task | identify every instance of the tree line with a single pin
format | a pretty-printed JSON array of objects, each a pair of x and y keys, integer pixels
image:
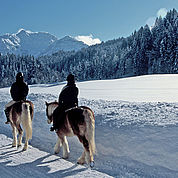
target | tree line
[{"x": 146, "y": 51}]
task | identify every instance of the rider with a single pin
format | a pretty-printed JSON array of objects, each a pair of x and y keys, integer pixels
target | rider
[
  {"x": 19, "y": 91},
  {"x": 68, "y": 98}
]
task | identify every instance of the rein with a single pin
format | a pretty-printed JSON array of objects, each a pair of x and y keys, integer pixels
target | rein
[{"x": 71, "y": 108}]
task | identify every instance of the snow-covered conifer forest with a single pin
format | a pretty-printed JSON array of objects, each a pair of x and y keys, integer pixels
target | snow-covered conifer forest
[{"x": 146, "y": 51}]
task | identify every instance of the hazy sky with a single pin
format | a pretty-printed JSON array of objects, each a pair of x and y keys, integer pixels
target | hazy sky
[{"x": 103, "y": 19}]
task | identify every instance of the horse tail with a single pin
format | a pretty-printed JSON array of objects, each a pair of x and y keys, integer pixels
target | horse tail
[
  {"x": 90, "y": 129},
  {"x": 26, "y": 120}
]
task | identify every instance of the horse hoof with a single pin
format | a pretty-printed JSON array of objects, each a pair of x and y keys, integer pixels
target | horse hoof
[
  {"x": 24, "y": 149},
  {"x": 65, "y": 157},
  {"x": 19, "y": 146},
  {"x": 80, "y": 163},
  {"x": 92, "y": 164},
  {"x": 13, "y": 146}
]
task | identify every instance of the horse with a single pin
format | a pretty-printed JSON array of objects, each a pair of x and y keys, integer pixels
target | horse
[
  {"x": 80, "y": 122},
  {"x": 21, "y": 112}
]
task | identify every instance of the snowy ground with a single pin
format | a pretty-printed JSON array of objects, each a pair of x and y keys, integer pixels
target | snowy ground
[{"x": 136, "y": 131}]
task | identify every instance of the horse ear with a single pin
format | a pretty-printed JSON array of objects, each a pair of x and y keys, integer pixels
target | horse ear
[{"x": 46, "y": 103}]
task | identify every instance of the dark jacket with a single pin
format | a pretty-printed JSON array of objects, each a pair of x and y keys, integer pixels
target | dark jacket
[
  {"x": 67, "y": 99},
  {"x": 19, "y": 91},
  {"x": 69, "y": 96}
]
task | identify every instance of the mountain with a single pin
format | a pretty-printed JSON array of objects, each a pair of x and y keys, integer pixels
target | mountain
[
  {"x": 25, "y": 42},
  {"x": 66, "y": 44},
  {"x": 36, "y": 43}
]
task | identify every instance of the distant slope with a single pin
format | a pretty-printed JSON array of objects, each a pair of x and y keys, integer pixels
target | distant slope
[
  {"x": 148, "y": 88},
  {"x": 66, "y": 44}
]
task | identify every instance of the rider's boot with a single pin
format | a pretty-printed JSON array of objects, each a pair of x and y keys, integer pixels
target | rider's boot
[
  {"x": 7, "y": 115},
  {"x": 52, "y": 128}
]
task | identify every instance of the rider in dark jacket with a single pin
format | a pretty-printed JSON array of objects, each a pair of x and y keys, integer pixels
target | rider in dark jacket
[
  {"x": 19, "y": 91},
  {"x": 68, "y": 98}
]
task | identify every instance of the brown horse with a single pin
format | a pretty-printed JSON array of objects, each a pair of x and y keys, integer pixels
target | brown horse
[
  {"x": 21, "y": 112},
  {"x": 79, "y": 121}
]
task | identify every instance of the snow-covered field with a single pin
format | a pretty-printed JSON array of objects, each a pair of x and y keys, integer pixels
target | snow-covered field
[{"x": 136, "y": 131}]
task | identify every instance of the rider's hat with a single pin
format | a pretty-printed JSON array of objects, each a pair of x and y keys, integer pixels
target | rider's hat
[
  {"x": 19, "y": 76},
  {"x": 70, "y": 78}
]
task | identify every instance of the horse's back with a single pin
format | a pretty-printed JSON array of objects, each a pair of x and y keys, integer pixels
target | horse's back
[
  {"x": 17, "y": 107},
  {"x": 78, "y": 117},
  {"x": 77, "y": 114},
  {"x": 88, "y": 110}
]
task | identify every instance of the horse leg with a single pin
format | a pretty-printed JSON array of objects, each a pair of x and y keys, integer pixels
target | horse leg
[
  {"x": 20, "y": 135},
  {"x": 65, "y": 146},
  {"x": 57, "y": 146},
  {"x": 87, "y": 154},
  {"x": 26, "y": 144},
  {"x": 81, "y": 159},
  {"x": 14, "y": 132}
]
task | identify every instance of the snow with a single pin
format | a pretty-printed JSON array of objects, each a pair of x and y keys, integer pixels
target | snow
[
  {"x": 162, "y": 88},
  {"x": 136, "y": 131},
  {"x": 35, "y": 163}
]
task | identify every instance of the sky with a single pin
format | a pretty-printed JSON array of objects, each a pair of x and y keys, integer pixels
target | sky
[{"x": 92, "y": 20}]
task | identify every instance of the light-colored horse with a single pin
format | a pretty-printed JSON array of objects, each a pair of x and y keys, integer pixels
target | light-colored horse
[
  {"x": 21, "y": 112},
  {"x": 79, "y": 121}
]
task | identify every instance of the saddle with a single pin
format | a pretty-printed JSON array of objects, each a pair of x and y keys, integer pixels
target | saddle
[{"x": 18, "y": 106}]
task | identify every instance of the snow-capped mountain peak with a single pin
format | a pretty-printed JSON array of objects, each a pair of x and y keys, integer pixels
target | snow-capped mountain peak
[
  {"x": 67, "y": 38},
  {"x": 37, "y": 43},
  {"x": 66, "y": 43},
  {"x": 23, "y": 31}
]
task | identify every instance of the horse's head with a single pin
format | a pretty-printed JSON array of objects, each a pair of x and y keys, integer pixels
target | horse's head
[{"x": 50, "y": 107}]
